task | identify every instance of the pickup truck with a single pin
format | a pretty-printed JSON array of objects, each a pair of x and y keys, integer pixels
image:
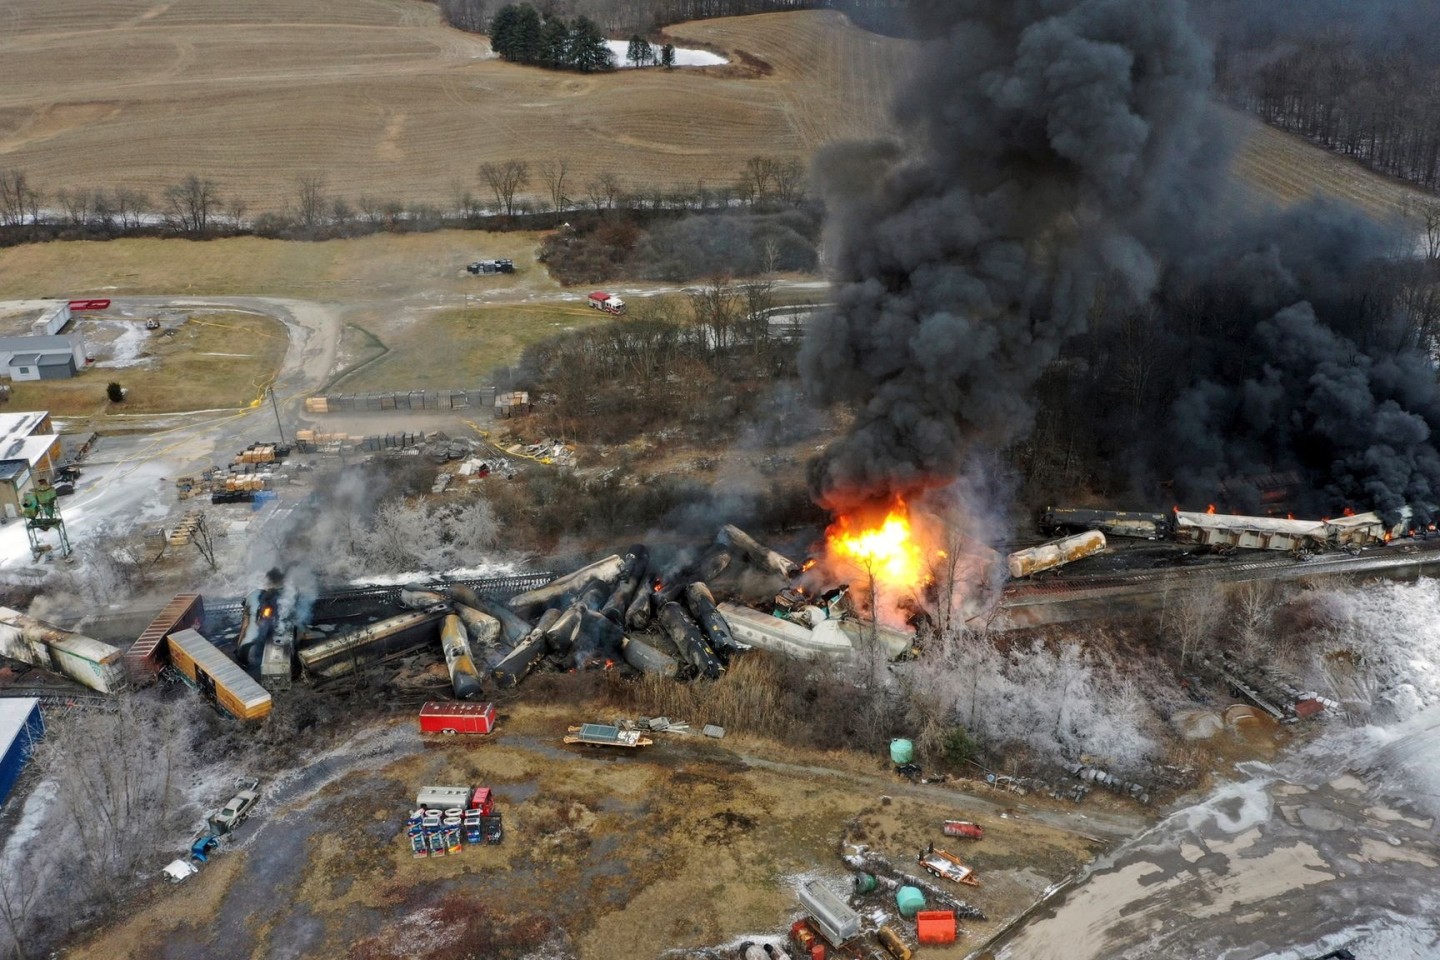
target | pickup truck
[{"x": 230, "y": 816}]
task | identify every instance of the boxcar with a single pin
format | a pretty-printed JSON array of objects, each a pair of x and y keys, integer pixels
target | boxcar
[
  {"x": 217, "y": 676},
  {"x": 83, "y": 659},
  {"x": 146, "y": 656}
]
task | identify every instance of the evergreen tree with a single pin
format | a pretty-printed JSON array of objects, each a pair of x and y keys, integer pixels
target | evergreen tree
[
  {"x": 667, "y": 56},
  {"x": 588, "y": 52},
  {"x": 502, "y": 31},
  {"x": 639, "y": 53},
  {"x": 529, "y": 46},
  {"x": 555, "y": 44}
]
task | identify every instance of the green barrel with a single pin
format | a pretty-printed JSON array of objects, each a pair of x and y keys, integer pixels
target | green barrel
[
  {"x": 865, "y": 883},
  {"x": 910, "y": 901},
  {"x": 901, "y": 751}
]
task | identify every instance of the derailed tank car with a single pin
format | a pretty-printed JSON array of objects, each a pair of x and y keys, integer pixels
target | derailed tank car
[
  {"x": 1112, "y": 523},
  {"x": 349, "y": 652},
  {"x": 1049, "y": 556},
  {"x": 83, "y": 659}
]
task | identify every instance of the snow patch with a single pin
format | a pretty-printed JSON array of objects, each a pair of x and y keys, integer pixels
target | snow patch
[{"x": 683, "y": 57}]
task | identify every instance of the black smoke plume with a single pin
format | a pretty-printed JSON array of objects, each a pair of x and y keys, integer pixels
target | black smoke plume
[
  {"x": 1046, "y": 148},
  {"x": 1059, "y": 206}
]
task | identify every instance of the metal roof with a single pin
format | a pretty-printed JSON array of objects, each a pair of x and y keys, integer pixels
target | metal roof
[
  {"x": 10, "y": 469},
  {"x": 14, "y": 714},
  {"x": 54, "y": 359},
  {"x": 221, "y": 667},
  {"x": 25, "y": 360}
]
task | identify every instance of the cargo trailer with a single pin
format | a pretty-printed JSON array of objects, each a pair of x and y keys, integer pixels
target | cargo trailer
[
  {"x": 217, "y": 676},
  {"x": 441, "y": 717},
  {"x": 831, "y": 915}
]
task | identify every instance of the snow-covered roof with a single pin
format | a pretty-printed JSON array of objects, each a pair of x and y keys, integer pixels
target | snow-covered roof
[{"x": 14, "y": 714}]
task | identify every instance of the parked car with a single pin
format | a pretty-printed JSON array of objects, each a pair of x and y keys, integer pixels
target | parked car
[{"x": 230, "y": 816}]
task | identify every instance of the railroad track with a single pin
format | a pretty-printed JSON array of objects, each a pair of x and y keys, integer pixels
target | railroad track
[
  {"x": 329, "y": 602},
  {"x": 1279, "y": 567}
]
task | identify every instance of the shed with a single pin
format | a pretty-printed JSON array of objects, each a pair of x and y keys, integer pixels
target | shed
[
  {"x": 56, "y": 366},
  {"x": 20, "y": 727}
]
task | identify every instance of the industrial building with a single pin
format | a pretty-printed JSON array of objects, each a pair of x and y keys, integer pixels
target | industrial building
[
  {"x": 20, "y": 728},
  {"x": 29, "y": 449},
  {"x": 35, "y": 348}
]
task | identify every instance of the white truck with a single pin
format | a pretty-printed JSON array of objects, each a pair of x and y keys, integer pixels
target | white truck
[{"x": 610, "y": 303}]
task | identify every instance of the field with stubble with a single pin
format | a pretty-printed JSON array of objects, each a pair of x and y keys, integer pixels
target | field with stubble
[{"x": 384, "y": 100}]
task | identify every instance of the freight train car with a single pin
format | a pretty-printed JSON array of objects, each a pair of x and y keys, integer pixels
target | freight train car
[
  {"x": 349, "y": 652},
  {"x": 146, "y": 656},
  {"x": 217, "y": 676},
  {"x": 97, "y": 665},
  {"x": 1049, "y": 556},
  {"x": 1112, "y": 523}
]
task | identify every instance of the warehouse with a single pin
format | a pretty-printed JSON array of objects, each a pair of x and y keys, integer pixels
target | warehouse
[
  {"x": 29, "y": 449},
  {"x": 20, "y": 728}
]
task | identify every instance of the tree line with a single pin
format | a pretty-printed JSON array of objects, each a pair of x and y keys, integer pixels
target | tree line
[
  {"x": 647, "y": 16},
  {"x": 1382, "y": 111},
  {"x": 519, "y": 34},
  {"x": 199, "y": 207}
]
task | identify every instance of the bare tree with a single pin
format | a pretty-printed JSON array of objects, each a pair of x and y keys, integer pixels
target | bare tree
[
  {"x": 1189, "y": 620},
  {"x": 191, "y": 203},
  {"x": 506, "y": 180},
  {"x": 204, "y": 540},
  {"x": 553, "y": 173},
  {"x": 18, "y": 198},
  {"x": 604, "y": 190},
  {"x": 311, "y": 202},
  {"x": 789, "y": 176},
  {"x": 75, "y": 205},
  {"x": 757, "y": 179},
  {"x": 130, "y": 207}
]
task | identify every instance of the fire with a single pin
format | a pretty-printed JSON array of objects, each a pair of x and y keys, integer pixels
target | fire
[
  {"x": 265, "y": 613},
  {"x": 1348, "y": 512},
  {"x": 887, "y": 549},
  {"x": 807, "y": 564},
  {"x": 1210, "y": 509}
]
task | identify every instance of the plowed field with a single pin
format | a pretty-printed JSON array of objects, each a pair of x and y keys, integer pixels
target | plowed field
[{"x": 385, "y": 100}]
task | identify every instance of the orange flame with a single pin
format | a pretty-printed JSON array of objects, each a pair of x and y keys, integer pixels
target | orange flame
[
  {"x": 1210, "y": 509},
  {"x": 807, "y": 564},
  {"x": 887, "y": 550},
  {"x": 266, "y": 612},
  {"x": 1348, "y": 512}
]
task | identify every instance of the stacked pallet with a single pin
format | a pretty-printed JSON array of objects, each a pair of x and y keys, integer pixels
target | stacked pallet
[
  {"x": 251, "y": 482},
  {"x": 257, "y": 453},
  {"x": 513, "y": 404},
  {"x": 317, "y": 405},
  {"x": 185, "y": 530}
]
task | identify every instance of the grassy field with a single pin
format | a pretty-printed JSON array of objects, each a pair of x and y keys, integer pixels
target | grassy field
[
  {"x": 382, "y": 266},
  {"x": 451, "y": 348},
  {"x": 201, "y": 367},
  {"x": 385, "y": 100}
]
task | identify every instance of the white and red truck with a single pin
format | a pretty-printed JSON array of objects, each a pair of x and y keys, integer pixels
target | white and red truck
[{"x": 610, "y": 303}]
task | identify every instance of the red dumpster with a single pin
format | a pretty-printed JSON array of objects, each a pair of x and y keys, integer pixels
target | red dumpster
[
  {"x": 964, "y": 828},
  {"x": 89, "y": 304},
  {"x": 935, "y": 926},
  {"x": 445, "y": 717}
]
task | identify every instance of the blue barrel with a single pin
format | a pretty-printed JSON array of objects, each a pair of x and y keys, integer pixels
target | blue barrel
[
  {"x": 901, "y": 751},
  {"x": 910, "y": 901}
]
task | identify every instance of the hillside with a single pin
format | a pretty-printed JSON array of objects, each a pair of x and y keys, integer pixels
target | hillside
[{"x": 384, "y": 100}]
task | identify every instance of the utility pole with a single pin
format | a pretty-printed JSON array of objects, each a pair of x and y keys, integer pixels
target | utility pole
[{"x": 278, "y": 425}]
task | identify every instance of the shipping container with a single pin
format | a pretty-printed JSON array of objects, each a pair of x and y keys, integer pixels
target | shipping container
[
  {"x": 441, "y": 717},
  {"x": 146, "y": 656},
  {"x": 85, "y": 660},
  {"x": 21, "y": 726},
  {"x": 832, "y": 916},
  {"x": 217, "y": 676}
]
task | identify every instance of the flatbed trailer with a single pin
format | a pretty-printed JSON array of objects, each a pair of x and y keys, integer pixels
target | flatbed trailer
[
  {"x": 948, "y": 866},
  {"x": 603, "y": 735}
]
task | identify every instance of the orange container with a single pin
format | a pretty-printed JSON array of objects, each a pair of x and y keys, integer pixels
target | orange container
[{"x": 935, "y": 927}]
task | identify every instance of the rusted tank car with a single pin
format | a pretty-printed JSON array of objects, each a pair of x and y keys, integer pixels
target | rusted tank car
[
  {"x": 349, "y": 652},
  {"x": 1057, "y": 553}
]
